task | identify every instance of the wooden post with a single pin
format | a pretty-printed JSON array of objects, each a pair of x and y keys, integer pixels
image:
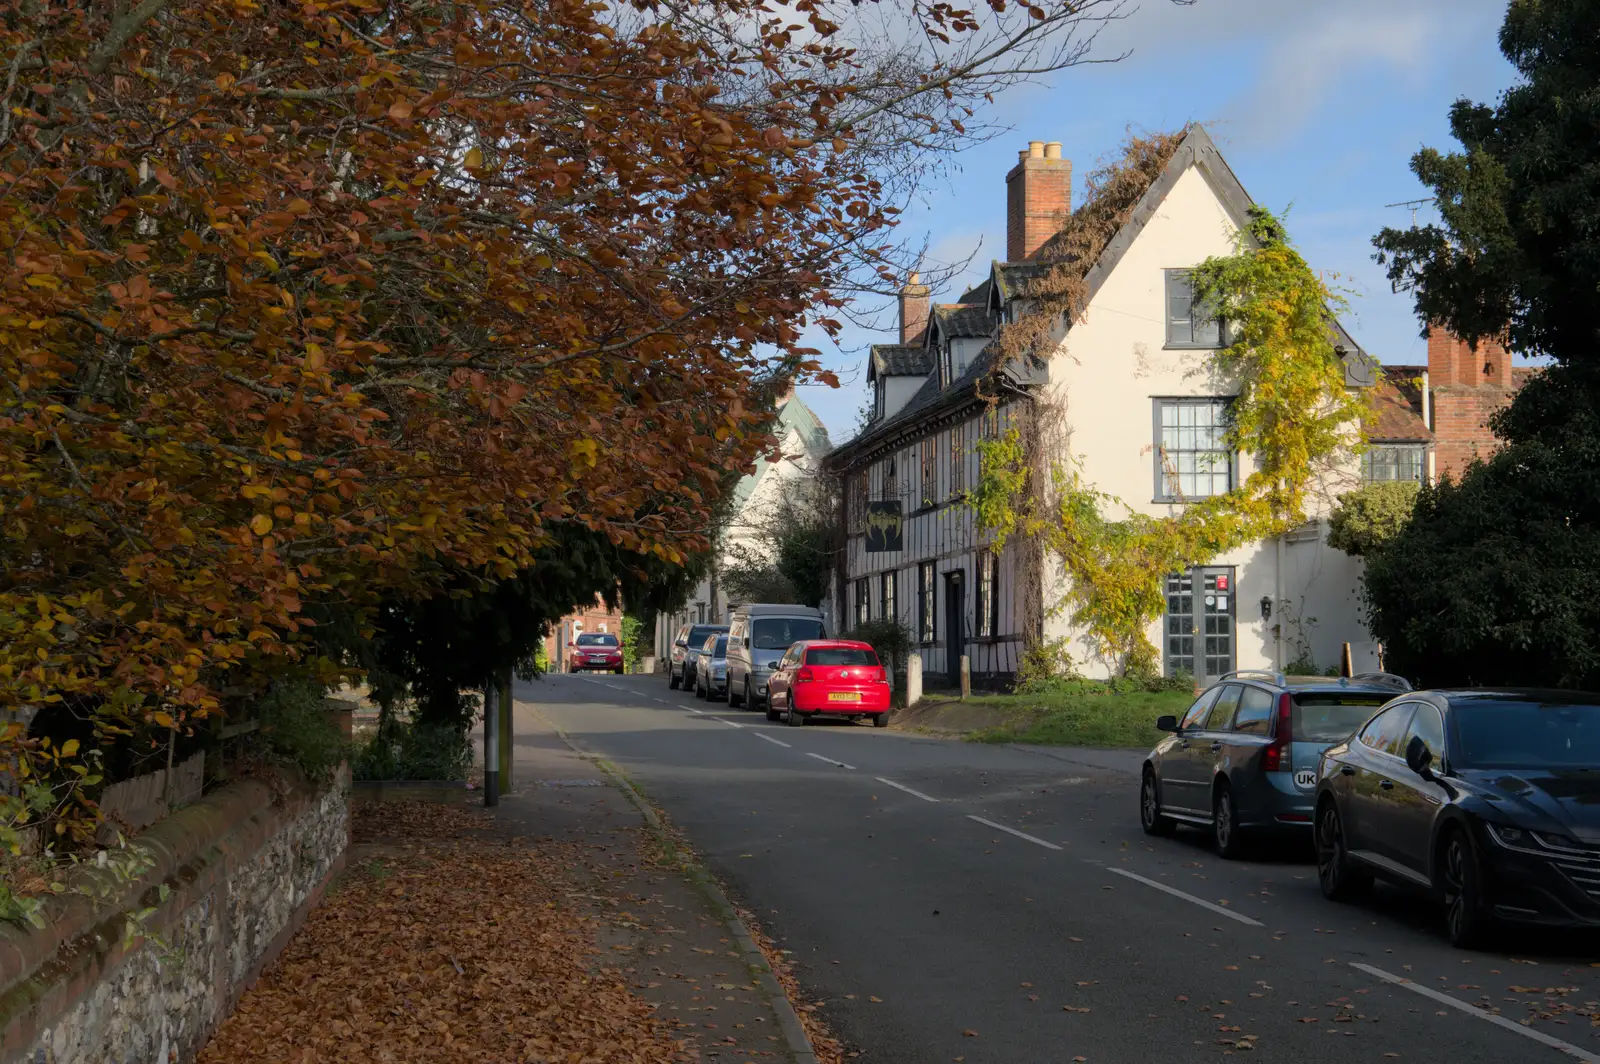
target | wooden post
[
  {"x": 966, "y": 676},
  {"x": 507, "y": 730},
  {"x": 913, "y": 679},
  {"x": 491, "y": 746},
  {"x": 1346, "y": 665}
]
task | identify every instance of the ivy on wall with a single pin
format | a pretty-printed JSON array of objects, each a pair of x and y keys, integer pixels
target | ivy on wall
[{"x": 1293, "y": 414}]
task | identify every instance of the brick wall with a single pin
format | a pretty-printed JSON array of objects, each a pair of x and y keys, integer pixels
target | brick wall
[
  {"x": 1038, "y": 198},
  {"x": 555, "y": 644},
  {"x": 1467, "y": 385},
  {"x": 243, "y": 866}
]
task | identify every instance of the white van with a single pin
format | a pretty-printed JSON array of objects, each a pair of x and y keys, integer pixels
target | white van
[{"x": 757, "y": 637}]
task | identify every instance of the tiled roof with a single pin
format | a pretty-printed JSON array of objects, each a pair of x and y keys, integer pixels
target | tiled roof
[
  {"x": 1397, "y": 406},
  {"x": 899, "y": 360},
  {"x": 963, "y": 319},
  {"x": 1012, "y": 277},
  {"x": 977, "y": 293}
]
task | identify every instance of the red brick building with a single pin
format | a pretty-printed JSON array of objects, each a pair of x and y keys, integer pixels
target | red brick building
[
  {"x": 1432, "y": 421},
  {"x": 596, "y": 618}
]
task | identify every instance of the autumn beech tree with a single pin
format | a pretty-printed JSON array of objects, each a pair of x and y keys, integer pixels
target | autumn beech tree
[{"x": 306, "y": 301}]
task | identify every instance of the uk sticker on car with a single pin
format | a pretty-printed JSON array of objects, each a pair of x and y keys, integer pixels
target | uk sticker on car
[{"x": 1305, "y": 778}]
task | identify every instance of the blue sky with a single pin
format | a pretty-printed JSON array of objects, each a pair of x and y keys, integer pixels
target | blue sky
[{"x": 1317, "y": 107}]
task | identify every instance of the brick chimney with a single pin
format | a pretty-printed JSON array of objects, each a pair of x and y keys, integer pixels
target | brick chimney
[
  {"x": 1467, "y": 385},
  {"x": 914, "y": 310},
  {"x": 1038, "y": 198}
]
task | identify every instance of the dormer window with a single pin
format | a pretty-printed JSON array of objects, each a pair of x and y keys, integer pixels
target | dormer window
[
  {"x": 946, "y": 364},
  {"x": 878, "y": 400}
]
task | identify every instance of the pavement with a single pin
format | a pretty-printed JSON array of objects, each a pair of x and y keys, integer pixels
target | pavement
[
  {"x": 667, "y": 934},
  {"x": 948, "y": 901}
]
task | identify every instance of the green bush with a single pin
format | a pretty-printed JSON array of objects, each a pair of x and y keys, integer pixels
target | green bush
[
  {"x": 891, "y": 639},
  {"x": 1045, "y": 665},
  {"x": 405, "y": 751},
  {"x": 298, "y": 728},
  {"x": 1371, "y": 516}
]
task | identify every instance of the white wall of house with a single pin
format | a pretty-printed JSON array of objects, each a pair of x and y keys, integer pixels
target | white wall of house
[
  {"x": 1104, "y": 382},
  {"x": 897, "y": 392}
]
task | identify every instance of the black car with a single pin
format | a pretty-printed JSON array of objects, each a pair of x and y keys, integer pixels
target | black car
[{"x": 1488, "y": 800}]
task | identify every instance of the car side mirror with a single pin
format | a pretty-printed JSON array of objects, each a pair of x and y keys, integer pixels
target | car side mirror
[
  {"x": 1167, "y": 723},
  {"x": 1419, "y": 758}
]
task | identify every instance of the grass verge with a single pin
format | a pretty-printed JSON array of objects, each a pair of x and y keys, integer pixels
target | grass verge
[{"x": 1080, "y": 713}]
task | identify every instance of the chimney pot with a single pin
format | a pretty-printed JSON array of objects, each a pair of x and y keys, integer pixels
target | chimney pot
[
  {"x": 1022, "y": 153},
  {"x": 1038, "y": 198}
]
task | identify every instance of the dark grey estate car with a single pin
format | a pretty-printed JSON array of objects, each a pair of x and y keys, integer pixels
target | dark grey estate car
[{"x": 1244, "y": 756}]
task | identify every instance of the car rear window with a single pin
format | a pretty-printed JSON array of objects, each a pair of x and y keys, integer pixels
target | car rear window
[
  {"x": 597, "y": 639},
  {"x": 721, "y": 649},
  {"x": 1527, "y": 735},
  {"x": 1331, "y": 716},
  {"x": 701, "y": 632},
  {"x": 840, "y": 656}
]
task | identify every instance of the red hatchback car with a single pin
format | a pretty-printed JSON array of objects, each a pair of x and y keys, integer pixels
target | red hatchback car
[
  {"x": 829, "y": 678},
  {"x": 595, "y": 651}
]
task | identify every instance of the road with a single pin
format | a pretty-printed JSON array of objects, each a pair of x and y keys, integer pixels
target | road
[{"x": 959, "y": 902}]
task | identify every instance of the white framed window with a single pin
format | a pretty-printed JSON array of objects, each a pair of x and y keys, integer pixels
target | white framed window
[
  {"x": 886, "y": 595},
  {"x": 863, "y": 602},
  {"x": 1394, "y": 461},
  {"x": 926, "y": 603},
  {"x": 988, "y": 603},
  {"x": 1192, "y": 457}
]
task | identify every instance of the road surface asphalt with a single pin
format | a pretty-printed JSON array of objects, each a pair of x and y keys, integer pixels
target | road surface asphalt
[{"x": 953, "y": 901}]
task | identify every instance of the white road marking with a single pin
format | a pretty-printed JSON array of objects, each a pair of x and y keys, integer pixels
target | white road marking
[
  {"x": 770, "y": 739},
  {"x": 691, "y": 709},
  {"x": 1218, "y": 909},
  {"x": 663, "y": 701},
  {"x": 908, "y": 790},
  {"x": 831, "y": 761},
  {"x": 729, "y": 723},
  {"x": 1499, "y": 1021},
  {"x": 1013, "y": 831}
]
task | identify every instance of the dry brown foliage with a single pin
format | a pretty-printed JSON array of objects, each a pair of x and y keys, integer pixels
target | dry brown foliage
[
  {"x": 454, "y": 948},
  {"x": 1110, "y": 195}
]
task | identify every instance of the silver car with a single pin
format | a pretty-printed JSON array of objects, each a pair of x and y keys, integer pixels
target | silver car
[
  {"x": 711, "y": 671},
  {"x": 1244, "y": 756},
  {"x": 685, "y": 650}
]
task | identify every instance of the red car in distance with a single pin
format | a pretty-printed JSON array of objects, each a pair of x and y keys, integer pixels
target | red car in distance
[
  {"x": 829, "y": 678},
  {"x": 595, "y": 650}
]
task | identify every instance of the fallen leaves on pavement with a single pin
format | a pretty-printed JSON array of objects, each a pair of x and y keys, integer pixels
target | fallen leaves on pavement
[{"x": 450, "y": 946}]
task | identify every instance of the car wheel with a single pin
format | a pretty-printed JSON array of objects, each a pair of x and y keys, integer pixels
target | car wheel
[
  {"x": 1150, "y": 817},
  {"x": 772, "y": 714},
  {"x": 672, "y": 679},
  {"x": 734, "y": 703},
  {"x": 1467, "y": 917},
  {"x": 1225, "y": 823},
  {"x": 1338, "y": 876},
  {"x": 880, "y": 720},
  {"x": 792, "y": 717},
  {"x": 702, "y": 691}
]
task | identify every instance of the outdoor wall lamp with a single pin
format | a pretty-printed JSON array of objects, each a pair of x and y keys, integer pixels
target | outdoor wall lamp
[{"x": 1266, "y": 608}]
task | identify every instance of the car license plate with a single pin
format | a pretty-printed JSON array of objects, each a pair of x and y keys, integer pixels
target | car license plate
[{"x": 844, "y": 696}]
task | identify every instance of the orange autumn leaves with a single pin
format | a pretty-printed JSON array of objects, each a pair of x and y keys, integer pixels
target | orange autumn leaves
[{"x": 306, "y": 301}]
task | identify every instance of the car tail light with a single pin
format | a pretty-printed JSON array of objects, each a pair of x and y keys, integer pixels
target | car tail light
[
  {"x": 1276, "y": 757},
  {"x": 882, "y": 674},
  {"x": 805, "y": 676}
]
